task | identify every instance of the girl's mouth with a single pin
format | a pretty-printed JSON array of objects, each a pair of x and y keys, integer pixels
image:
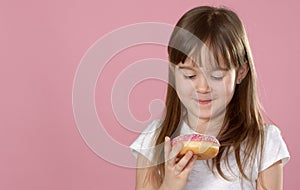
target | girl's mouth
[{"x": 204, "y": 102}]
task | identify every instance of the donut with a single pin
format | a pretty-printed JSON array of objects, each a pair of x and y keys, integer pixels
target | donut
[{"x": 204, "y": 146}]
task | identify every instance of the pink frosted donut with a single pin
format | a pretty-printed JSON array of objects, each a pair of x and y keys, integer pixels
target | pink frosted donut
[{"x": 204, "y": 146}]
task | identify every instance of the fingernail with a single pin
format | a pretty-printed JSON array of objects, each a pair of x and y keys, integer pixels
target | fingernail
[
  {"x": 190, "y": 153},
  {"x": 167, "y": 138}
]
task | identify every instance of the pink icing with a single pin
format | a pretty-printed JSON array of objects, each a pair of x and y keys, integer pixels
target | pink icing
[{"x": 195, "y": 137}]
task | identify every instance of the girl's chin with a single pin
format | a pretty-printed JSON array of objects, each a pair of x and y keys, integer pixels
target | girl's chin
[
  {"x": 205, "y": 113},
  {"x": 204, "y": 116}
]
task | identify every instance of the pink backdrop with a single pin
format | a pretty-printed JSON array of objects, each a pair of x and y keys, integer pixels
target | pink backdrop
[{"x": 42, "y": 43}]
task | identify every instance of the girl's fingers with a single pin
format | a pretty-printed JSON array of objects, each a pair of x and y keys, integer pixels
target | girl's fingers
[
  {"x": 167, "y": 148},
  {"x": 174, "y": 152},
  {"x": 190, "y": 165},
  {"x": 183, "y": 162}
]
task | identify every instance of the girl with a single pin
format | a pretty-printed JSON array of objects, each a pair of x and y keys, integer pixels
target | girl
[{"x": 211, "y": 90}]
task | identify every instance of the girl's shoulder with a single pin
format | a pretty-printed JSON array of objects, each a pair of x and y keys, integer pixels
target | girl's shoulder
[
  {"x": 271, "y": 128},
  {"x": 145, "y": 142},
  {"x": 272, "y": 133},
  {"x": 274, "y": 148},
  {"x": 152, "y": 129}
]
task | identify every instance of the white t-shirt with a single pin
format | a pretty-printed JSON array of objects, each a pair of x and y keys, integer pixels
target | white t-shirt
[{"x": 201, "y": 176}]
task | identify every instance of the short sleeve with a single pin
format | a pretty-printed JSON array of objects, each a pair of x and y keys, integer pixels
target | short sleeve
[
  {"x": 145, "y": 143},
  {"x": 275, "y": 148}
]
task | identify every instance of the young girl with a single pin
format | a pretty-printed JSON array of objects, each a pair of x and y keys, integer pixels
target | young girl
[{"x": 211, "y": 90}]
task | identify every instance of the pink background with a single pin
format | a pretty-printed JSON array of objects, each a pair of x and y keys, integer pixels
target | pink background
[{"x": 42, "y": 43}]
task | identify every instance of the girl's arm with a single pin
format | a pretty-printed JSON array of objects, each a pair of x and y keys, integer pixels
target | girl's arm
[{"x": 271, "y": 178}]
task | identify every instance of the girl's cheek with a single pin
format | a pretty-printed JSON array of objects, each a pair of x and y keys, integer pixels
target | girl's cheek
[
  {"x": 217, "y": 86},
  {"x": 184, "y": 84}
]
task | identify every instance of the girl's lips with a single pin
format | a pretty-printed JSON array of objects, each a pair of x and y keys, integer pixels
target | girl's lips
[{"x": 204, "y": 102}]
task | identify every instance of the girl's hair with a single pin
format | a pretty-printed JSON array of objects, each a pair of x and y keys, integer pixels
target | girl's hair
[{"x": 222, "y": 31}]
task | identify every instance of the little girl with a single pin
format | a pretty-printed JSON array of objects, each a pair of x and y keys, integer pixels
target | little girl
[{"x": 211, "y": 90}]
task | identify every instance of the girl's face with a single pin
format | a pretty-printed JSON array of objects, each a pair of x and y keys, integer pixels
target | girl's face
[{"x": 204, "y": 92}]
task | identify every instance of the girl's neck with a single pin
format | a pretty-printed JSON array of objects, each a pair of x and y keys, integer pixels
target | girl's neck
[{"x": 204, "y": 126}]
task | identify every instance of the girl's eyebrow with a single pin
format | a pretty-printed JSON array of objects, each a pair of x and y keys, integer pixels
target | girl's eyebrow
[
  {"x": 193, "y": 69},
  {"x": 221, "y": 69},
  {"x": 186, "y": 67}
]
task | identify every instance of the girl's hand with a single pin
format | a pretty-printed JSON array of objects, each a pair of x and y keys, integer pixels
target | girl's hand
[{"x": 176, "y": 171}]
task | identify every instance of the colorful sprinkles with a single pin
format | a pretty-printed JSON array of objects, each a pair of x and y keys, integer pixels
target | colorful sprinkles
[{"x": 195, "y": 137}]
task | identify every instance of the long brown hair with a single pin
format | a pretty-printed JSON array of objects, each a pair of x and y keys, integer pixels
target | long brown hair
[{"x": 223, "y": 32}]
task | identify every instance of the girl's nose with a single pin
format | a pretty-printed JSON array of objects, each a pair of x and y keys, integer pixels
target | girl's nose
[{"x": 202, "y": 85}]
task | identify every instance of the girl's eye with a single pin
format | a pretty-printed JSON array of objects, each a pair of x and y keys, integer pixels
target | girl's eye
[
  {"x": 189, "y": 76},
  {"x": 217, "y": 75}
]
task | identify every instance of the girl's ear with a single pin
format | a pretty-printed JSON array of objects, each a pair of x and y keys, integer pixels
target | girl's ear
[{"x": 241, "y": 73}]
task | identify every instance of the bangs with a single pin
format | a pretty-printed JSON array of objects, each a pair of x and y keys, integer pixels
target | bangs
[
  {"x": 217, "y": 52},
  {"x": 216, "y": 44},
  {"x": 209, "y": 55}
]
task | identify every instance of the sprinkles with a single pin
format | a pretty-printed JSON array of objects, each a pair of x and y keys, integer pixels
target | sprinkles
[{"x": 195, "y": 137}]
